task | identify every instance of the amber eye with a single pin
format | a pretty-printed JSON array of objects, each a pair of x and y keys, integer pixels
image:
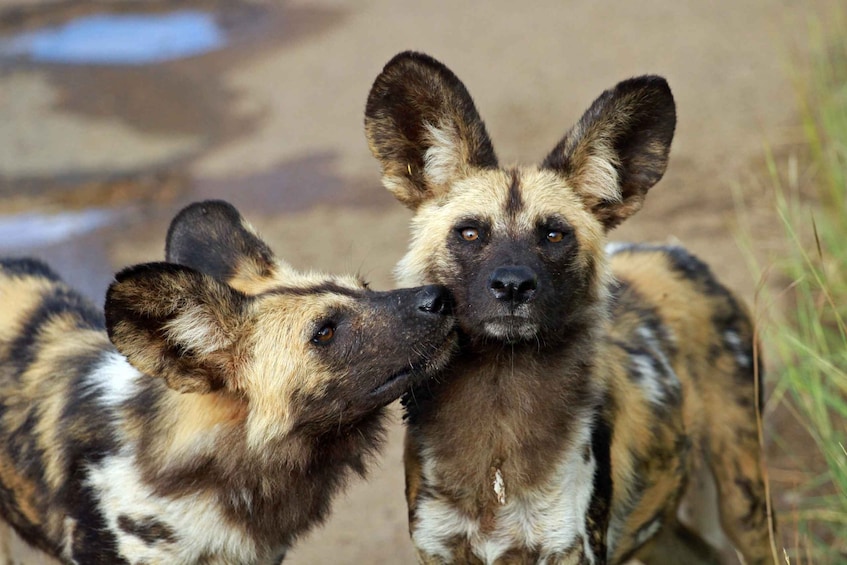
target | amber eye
[
  {"x": 555, "y": 236},
  {"x": 470, "y": 234},
  {"x": 324, "y": 335}
]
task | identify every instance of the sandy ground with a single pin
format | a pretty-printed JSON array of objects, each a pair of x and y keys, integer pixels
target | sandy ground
[{"x": 94, "y": 161}]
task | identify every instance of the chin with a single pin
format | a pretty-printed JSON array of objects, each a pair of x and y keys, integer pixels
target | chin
[{"x": 510, "y": 330}]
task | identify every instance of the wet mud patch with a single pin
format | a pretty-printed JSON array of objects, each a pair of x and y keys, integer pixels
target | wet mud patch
[
  {"x": 150, "y": 100},
  {"x": 154, "y": 189},
  {"x": 92, "y": 153},
  {"x": 89, "y": 120}
]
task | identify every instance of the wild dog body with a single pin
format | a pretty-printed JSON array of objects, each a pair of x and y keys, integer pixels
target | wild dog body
[
  {"x": 213, "y": 413},
  {"x": 592, "y": 384}
]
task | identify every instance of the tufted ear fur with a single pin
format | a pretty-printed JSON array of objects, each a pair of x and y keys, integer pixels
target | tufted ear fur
[
  {"x": 423, "y": 127},
  {"x": 619, "y": 148},
  {"x": 176, "y": 323}
]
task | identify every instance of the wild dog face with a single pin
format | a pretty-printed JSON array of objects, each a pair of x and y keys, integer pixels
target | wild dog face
[
  {"x": 521, "y": 248},
  {"x": 305, "y": 352}
]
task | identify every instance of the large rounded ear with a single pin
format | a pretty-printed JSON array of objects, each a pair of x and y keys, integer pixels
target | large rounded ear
[
  {"x": 176, "y": 323},
  {"x": 212, "y": 237},
  {"x": 422, "y": 125},
  {"x": 619, "y": 148}
]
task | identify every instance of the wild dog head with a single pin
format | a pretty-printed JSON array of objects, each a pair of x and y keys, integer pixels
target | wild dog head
[
  {"x": 522, "y": 248},
  {"x": 298, "y": 352}
]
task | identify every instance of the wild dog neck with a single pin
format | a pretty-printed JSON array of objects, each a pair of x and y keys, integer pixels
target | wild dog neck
[
  {"x": 187, "y": 427},
  {"x": 199, "y": 442},
  {"x": 512, "y": 409}
]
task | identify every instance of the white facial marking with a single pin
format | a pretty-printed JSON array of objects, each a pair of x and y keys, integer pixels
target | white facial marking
[{"x": 504, "y": 330}]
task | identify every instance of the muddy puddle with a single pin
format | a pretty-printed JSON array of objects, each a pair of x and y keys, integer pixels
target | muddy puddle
[
  {"x": 102, "y": 39},
  {"x": 105, "y": 106},
  {"x": 94, "y": 90}
]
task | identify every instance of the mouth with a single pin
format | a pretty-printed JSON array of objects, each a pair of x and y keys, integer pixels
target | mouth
[
  {"x": 510, "y": 328},
  {"x": 416, "y": 372}
]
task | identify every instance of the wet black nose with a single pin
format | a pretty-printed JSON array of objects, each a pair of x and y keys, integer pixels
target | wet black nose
[
  {"x": 514, "y": 284},
  {"x": 435, "y": 299}
]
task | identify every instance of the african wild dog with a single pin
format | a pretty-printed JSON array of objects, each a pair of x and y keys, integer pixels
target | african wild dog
[
  {"x": 592, "y": 383},
  {"x": 226, "y": 405}
]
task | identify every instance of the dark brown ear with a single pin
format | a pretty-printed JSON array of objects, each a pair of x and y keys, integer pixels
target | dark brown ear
[
  {"x": 173, "y": 322},
  {"x": 619, "y": 148},
  {"x": 422, "y": 125},
  {"x": 213, "y": 238}
]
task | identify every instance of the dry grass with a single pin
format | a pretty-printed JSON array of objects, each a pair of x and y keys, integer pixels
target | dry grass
[{"x": 806, "y": 334}]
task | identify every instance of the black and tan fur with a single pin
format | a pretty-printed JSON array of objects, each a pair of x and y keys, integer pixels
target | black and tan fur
[
  {"x": 216, "y": 409},
  {"x": 593, "y": 384}
]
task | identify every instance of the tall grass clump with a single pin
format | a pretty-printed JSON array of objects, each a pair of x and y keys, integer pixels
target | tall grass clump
[{"x": 808, "y": 342}]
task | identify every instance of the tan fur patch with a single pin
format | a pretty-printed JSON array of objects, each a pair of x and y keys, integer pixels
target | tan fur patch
[{"x": 25, "y": 293}]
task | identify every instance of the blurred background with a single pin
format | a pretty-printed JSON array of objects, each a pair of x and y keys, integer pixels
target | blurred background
[{"x": 115, "y": 114}]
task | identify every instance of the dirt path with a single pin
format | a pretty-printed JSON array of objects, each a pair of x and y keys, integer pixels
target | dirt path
[{"x": 274, "y": 124}]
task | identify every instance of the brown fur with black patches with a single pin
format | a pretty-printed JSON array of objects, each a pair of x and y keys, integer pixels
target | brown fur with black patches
[
  {"x": 216, "y": 410},
  {"x": 638, "y": 358}
]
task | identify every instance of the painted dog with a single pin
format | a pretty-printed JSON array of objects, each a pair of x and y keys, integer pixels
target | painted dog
[
  {"x": 214, "y": 411},
  {"x": 593, "y": 383}
]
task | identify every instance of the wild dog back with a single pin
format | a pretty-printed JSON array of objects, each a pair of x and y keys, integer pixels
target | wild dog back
[
  {"x": 196, "y": 422},
  {"x": 680, "y": 353}
]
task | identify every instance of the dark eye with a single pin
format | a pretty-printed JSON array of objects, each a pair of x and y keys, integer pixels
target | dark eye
[
  {"x": 555, "y": 236},
  {"x": 324, "y": 335},
  {"x": 470, "y": 234}
]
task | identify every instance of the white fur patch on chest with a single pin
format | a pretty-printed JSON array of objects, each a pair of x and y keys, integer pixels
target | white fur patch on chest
[
  {"x": 196, "y": 524},
  {"x": 550, "y": 518},
  {"x": 499, "y": 487}
]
